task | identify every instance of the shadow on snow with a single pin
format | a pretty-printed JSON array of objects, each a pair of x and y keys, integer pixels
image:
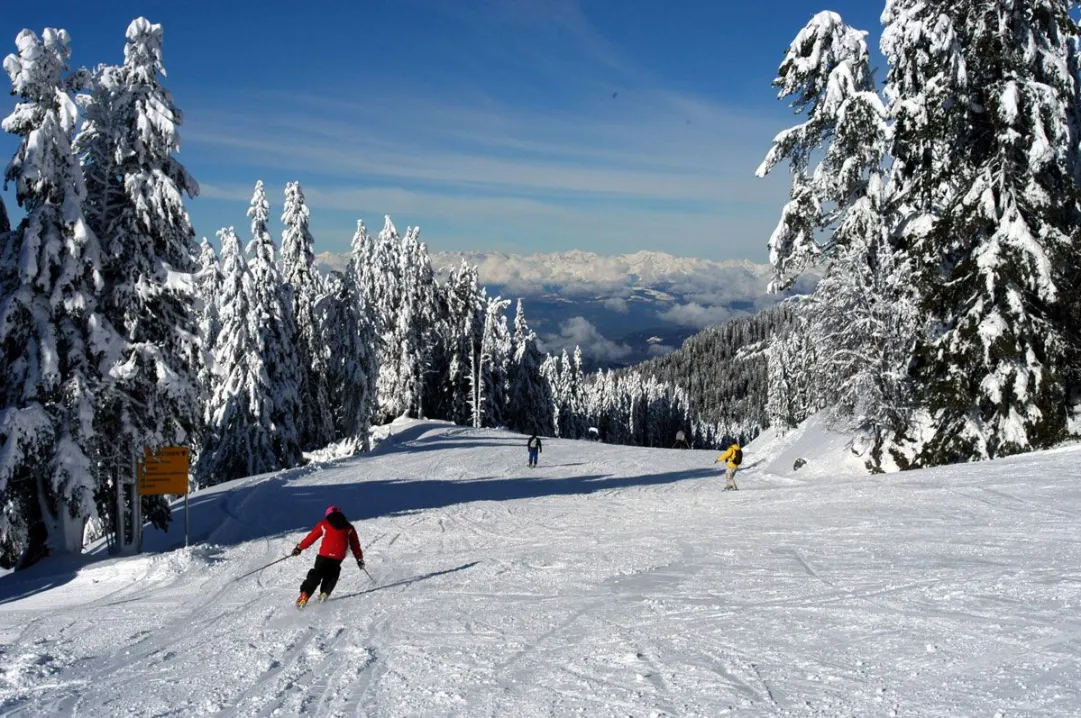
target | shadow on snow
[
  {"x": 407, "y": 581},
  {"x": 282, "y": 508}
]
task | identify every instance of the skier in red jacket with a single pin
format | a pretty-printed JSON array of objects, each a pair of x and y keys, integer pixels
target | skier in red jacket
[{"x": 338, "y": 535}]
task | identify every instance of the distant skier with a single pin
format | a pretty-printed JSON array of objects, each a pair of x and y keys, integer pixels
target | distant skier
[
  {"x": 681, "y": 441},
  {"x": 734, "y": 457},
  {"x": 338, "y": 536},
  {"x": 534, "y": 446}
]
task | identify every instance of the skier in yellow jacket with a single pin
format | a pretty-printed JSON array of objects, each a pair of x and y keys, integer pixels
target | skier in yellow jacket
[{"x": 733, "y": 457}]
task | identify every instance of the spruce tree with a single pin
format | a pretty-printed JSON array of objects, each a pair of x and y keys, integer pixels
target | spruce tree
[
  {"x": 985, "y": 148},
  {"x": 335, "y": 316},
  {"x": 135, "y": 204},
  {"x": 529, "y": 404},
  {"x": 357, "y": 359},
  {"x": 239, "y": 406},
  {"x": 275, "y": 335},
  {"x": 463, "y": 302},
  {"x": 52, "y": 334},
  {"x": 209, "y": 282},
  {"x": 827, "y": 76},
  {"x": 495, "y": 345},
  {"x": 405, "y": 303},
  {"x": 303, "y": 281},
  {"x": 839, "y": 213}
]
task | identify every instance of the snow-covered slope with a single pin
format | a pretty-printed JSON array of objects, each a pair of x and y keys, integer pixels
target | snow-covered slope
[{"x": 611, "y": 581}]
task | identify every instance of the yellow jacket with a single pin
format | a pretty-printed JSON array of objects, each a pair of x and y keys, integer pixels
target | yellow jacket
[{"x": 729, "y": 456}]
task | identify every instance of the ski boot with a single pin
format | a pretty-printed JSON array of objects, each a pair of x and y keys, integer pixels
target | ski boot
[
  {"x": 303, "y": 600},
  {"x": 323, "y": 596}
]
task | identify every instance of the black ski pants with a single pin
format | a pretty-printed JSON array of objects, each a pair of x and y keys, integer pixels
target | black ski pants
[{"x": 324, "y": 575}]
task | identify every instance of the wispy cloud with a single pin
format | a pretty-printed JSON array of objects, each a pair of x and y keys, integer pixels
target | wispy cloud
[{"x": 649, "y": 168}]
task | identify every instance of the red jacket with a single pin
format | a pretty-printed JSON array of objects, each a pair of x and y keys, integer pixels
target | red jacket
[{"x": 338, "y": 534}]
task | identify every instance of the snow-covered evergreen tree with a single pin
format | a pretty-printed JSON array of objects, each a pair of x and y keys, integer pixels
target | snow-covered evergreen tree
[
  {"x": 863, "y": 320},
  {"x": 550, "y": 373},
  {"x": 463, "y": 303},
  {"x": 209, "y": 282},
  {"x": 986, "y": 177},
  {"x": 52, "y": 335},
  {"x": 380, "y": 281},
  {"x": 792, "y": 388},
  {"x": 135, "y": 203},
  {"x": 827, "y": 74},
  {"x": 354, "y": 343},
  {"x": 529, "y": 406},
  {"x": 840, "y": 213},
  {"x": 302, "y": 278},
  {"x": 495, "y": 345},
  {"x": 335, "y": 311},
  {"x": 237, "y": 413},
  {"x": 478, "y": 398},
  {"x": 275, "y": 335},
  {"x": 572, "y": 423},
  {"x": 405, "y": 301}
]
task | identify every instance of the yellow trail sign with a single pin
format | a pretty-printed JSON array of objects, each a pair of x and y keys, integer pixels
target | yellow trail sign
[{"x": 164, "y": 471}]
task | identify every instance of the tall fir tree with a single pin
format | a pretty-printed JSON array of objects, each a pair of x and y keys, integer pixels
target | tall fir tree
[
  {"x": 381, "y": 281},
  {"x": 208, "y": 284},
  {"x": 238, "y": 411},
  {"x": 839, "y": 214},
  {"x": 985, "y": 151},
  {"x": 275, "y": 335},
  {"x": 550, "y": 375},
  {"x": 864, "y": 322},
  {"x": 496, "y": 346},
  {"x": 529, "y": 404},
  {"x": 828, "y": 77},
  {"x": 359, "y": 354},
  {"x": 406, "y": 303},
  {"x": 136, "y": 204},
  {"x": 52, "y": 334},
  {"x": 463, "y": 305},
  {"x": 303, "y": 281}
]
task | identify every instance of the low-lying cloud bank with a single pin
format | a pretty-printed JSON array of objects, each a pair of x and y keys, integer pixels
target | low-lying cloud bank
[{"x": 620, "y": 309}]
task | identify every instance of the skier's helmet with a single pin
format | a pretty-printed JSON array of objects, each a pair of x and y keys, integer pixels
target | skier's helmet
[{"x": 332, "y": 510}]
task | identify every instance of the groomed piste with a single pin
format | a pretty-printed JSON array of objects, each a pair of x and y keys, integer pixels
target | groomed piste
[{"x": 609, "y": 581}]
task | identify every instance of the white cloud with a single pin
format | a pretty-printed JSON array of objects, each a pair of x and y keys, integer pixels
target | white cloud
[
  {"x": 696, "y": 315},
  {"x": 578, "y": 331},
  {"x": 616, "y": 304}
]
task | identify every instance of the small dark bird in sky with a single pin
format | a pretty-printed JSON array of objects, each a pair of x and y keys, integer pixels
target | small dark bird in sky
[{"x": 615, "y": 95}]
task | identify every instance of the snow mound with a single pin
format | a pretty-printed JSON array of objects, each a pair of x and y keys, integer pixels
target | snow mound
[{"x": 823, "y": 452}]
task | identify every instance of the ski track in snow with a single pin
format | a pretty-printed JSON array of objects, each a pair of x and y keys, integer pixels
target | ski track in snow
[{"x": 610, "y": 581}]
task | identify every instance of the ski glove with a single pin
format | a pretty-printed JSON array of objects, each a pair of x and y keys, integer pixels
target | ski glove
[
  {"x": 360, "y": 563},
  {"x": 296, "y": 550}
]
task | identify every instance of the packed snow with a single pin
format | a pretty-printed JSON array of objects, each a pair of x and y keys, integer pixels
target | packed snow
[{"x": 610, "y": 581}]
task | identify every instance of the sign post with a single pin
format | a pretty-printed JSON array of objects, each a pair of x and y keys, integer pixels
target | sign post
[{"x": 166, "y": 472}]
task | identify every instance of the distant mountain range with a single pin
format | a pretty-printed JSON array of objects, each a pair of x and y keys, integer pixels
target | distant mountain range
[{"x": 620, "y": 309}]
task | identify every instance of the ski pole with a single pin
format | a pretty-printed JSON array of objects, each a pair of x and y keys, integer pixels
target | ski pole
[
  {"x": 249, "y": 573},
  {"x": 369, "y": 575}
]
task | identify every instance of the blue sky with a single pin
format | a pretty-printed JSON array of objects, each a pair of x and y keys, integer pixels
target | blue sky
[{"x": 516, "y": 125}]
